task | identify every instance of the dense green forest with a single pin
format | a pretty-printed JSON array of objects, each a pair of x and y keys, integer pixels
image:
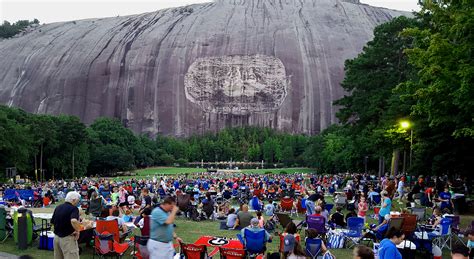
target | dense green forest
[
  {"x": 419, "y": 70},
  {"x": 8, "y": 29}
]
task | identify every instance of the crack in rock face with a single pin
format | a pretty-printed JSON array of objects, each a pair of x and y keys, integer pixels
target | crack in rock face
[{"x": 238, "y": 84}]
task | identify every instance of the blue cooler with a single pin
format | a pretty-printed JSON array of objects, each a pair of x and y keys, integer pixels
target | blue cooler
[{"x": 46, "y": 241}]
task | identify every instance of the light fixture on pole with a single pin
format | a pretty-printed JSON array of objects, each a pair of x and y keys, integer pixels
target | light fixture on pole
[{"x": 407, "y": 125}]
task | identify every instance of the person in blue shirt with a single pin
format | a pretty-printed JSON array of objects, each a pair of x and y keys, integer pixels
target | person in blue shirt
[
  {"x": 388, "y": 246},
  {"x": 160, "y": 244},
  {"x": 445, "y": 198},
  {"x": 386, "y": 206}
]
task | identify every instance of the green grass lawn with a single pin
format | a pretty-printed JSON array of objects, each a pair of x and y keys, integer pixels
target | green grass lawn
[{"x": 190, "y": 231}]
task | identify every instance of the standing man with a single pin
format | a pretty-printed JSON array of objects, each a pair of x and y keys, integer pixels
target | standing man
[
  {"x": 67, "y": 227},
  {"x": 160, "y": 244}
]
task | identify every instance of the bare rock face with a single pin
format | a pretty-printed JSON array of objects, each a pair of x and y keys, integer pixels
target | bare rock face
[{"x": 180, "y": 71}]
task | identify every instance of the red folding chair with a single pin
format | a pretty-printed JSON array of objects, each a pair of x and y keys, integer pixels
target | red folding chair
[
  {"x": 232, "y": 253},
  {"x": 112, "y": 227},
  {"x": 105, "y": 245},
  {"x": 191, "y": 251},
  {"x": 287, "y": 204}
]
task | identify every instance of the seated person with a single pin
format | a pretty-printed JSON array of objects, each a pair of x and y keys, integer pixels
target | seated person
[
  {"x": 121, "y": 223},
  {"x": 145, "y": 212},
  {"x": 243, "y": 218},
  {"x": 312, "y": 233},
  {"x": 255, "y": 228},
  {"x": 131, "y": 201},
  {"x": 436, "y": 218},
  {"x": 351, "y": 214},
  {"x": 231, "y": 218},
  {"x": 269, "y": 208},
  {"x": 255, "y": 204},
  {"x": 470, "y": 242},
  {"x": 317, "y": 211},
  {"x": 381, "y": 229},
  {"x": 207, "y": 205},
  {"x": 128, "y": 217},
  {"x": 338, "y": 218}
]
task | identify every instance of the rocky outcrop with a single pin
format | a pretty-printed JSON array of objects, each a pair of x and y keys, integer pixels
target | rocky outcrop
[{"x": 203, "y": 67}]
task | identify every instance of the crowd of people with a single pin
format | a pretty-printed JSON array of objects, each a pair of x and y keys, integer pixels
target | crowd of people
[{"x": 244, "y": 202}]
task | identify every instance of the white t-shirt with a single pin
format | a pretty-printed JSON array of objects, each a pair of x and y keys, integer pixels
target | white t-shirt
[
  {"x": 400, "y": 186},
  {"x": 131, "y": 200}
]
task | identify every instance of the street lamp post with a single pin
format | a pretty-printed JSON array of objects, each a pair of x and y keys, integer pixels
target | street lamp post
[{"x": 407, "y": 125}]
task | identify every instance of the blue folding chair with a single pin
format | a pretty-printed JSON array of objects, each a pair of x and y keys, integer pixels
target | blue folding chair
[
  {"x": 313, "y": 247},
  {"x": 355, "y": 226},
  {"x": 254, "y": 242},
  {"x": 329, "y": 207},
  {"x": 442, "y": 235}
]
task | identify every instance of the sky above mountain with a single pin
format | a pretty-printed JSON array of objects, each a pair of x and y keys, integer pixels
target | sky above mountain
[{"x": 48, "y": 11}]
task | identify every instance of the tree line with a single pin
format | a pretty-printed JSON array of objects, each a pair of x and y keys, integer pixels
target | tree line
[{"x": 8, "y": 30}]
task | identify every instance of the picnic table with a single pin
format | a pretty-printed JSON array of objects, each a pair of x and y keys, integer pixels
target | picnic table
[{"x": 216, "y": 242}]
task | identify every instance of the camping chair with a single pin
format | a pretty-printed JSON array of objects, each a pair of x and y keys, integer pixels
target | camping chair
[
  {"x": 140, "y": 250},
  {"x": 317, "y": 223},
  {"x": 191, "y": 251},
  {"x": 409, "y": 224},
  {"x": 183, "y": 201},
  {"x": 232, "y": 253},
  {"x": 284, "y": 219},
  {"x": 328, "y": 207},
  {"x": 354, "y": 233},
  {"x": 112, "y": 227},
  {"x": 227, "y": 196},
  {"x": 313, "y": 247},
  {"x": 341, "y": 200},
  {"x": 395, "y": 223},
  {"x": 95, "y": 207},
  {"x": 301, "y": 206},
  {"x": 375, "y": 200},
  {"x": 441, "y": 237},
  {"x": 419, "y": 212},
  {"x": 254, "y": 242},
  {"x": 455, "y": 230},
  {"x": 287, "y": 205},
  {"x": 104, "y": 245}
]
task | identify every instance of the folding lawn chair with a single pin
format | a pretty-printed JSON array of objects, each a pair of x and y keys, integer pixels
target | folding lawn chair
[
  {"x": 313, "y": 247},
  {"x": 232, "y": 253},
  {"x": 355, "y": 226},
  {"x": 254, "y": 242},
  {"x": 317, "y": 223},
  {"x": 191, "y": 251}
]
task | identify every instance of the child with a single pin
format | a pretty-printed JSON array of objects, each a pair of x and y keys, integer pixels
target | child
[
  {"x": 470, "y": 243},
  {"x": 128, "y": 217},
  {"x": 362, "y": 208},
  {"x": 145, "y": 212},
  {"x": 338, "y": 218},
  {"x": 261, "y": 220}
]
